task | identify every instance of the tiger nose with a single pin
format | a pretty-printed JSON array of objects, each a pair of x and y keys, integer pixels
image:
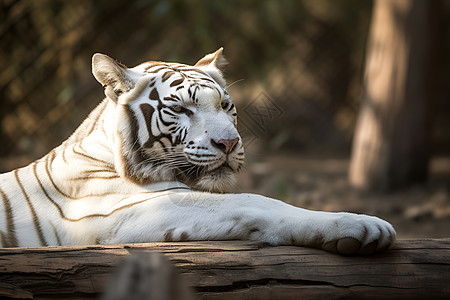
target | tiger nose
[{"x": 225, "y": 145}]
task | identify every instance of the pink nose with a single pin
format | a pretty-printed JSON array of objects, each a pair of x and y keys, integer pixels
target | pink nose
[{"x": 226, "y": 146}]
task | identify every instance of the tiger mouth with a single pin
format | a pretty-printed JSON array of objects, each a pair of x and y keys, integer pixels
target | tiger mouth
[
  {"x": 206, "y": 169},
  {"x": 194, "y": 172},
  {"x": 209, "y": 165},
  {"x": 216, "y": 178}
]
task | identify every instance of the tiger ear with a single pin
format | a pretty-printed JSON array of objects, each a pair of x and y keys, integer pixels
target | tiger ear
[
  {"x": 213, "y": 64},
  {"x": 111, "y": 75}
]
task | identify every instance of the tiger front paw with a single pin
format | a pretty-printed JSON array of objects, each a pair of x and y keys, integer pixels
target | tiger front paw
[{"x": 352, "y": 234}]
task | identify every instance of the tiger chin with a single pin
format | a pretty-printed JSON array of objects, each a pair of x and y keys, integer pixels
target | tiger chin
[
  {"x": 155, "y": 161},
  {"x": 220, "y": 180}
]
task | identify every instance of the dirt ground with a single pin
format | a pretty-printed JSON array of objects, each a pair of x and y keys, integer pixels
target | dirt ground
[{"x": 321, "y": 184}]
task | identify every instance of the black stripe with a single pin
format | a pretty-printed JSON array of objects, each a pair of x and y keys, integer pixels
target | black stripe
[
  {"x": 202, "y": 161},
  {"x": 167, "y": 75},
  {"x": 173, "y": 97},
  {"x": 163, "y": 146},
  {"x": 96, "y": 177},
  {"x": 50, "y": 158},
  {"x": 183, "y": 135},
  {"x": 189, "y": 69},
  {"x": 36, "y": 223},
  {"x": 45, "y": 192},
  {"x": 64, "y": 194},
  {"x": 176, "y": 82},
  {"x": 162, "y": 67},
  {"x": 202, "y": 155},
  {"x": 10, "y": 240},
  {"x": 55, "y": 232},
  {"x": 64, "y": 155},
  {"x": 165, "y": 123},
  {"x": 207, "y": 79},
  {"x": 154, "y": 95},
  {"x": 91, "y": 158},
  {"x": 170, "y": 113},
  {"x": 147, "y": 111},
  {"x": 61, "y": 213},
  {"x": 134, "y": 128}
]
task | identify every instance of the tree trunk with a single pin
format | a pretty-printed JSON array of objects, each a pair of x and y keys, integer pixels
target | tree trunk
[
  {"x": 412, "y": 269},
  {"x": 390, "y": 148}
]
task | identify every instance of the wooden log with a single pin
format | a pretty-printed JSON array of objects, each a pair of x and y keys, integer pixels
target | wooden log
[{"x": 411, "y": 269}]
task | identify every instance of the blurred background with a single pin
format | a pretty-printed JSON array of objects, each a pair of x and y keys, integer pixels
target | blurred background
[{"x": 343, "y": 105}]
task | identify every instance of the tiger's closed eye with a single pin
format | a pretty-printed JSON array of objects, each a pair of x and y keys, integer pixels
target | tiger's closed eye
[
  {"x": 177, "y": 108},
  {"x": 180, "y": 110},
  {"x": 224, "y": 105}
]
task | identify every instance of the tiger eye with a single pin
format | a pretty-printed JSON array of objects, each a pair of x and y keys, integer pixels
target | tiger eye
[
  {"x": 177, "y": 108},
  {"x": 224, "y": 104}
]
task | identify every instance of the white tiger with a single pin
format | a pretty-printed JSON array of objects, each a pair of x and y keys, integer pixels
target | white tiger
[{"x": 152, "y": 163}]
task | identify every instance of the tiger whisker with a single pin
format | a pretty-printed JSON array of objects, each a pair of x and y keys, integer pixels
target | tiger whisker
[{"x": 233, "y": 83}]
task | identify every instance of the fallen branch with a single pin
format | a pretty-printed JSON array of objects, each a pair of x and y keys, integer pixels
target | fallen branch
[{"x": 412, "y": 269}]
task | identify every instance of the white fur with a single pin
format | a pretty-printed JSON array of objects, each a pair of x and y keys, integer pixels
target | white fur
[{"x": 108, "y": 206}]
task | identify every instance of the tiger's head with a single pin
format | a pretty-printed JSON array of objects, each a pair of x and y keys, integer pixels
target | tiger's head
[{"x": 172, "y": 122}]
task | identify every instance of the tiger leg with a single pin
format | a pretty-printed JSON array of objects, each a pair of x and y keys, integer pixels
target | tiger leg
[{"x": 191, "y": 216}]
